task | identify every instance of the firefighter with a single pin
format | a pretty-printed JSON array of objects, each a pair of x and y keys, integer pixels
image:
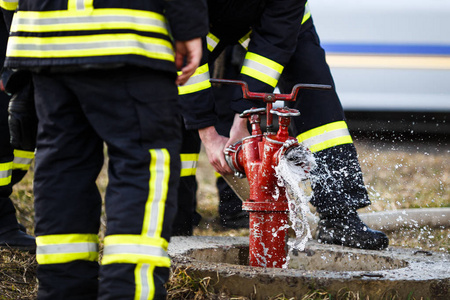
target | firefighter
[
  {"x": 282, "y": 49},
  {"x": 14, "y": 164},
  {"x": 104, "y": 72}
]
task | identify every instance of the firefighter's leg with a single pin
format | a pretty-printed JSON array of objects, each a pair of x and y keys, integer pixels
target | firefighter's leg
[
  {"x": 69, "y": 158},
  {"x": 135, "y": 112},
  {"x": 10, "y": 164},
  {"x": 337, "y": 181},
  {"x": 187, "y": 216}
]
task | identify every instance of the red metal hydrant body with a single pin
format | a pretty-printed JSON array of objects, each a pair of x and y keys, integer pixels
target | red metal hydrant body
[{"x": 256, "y": 157}]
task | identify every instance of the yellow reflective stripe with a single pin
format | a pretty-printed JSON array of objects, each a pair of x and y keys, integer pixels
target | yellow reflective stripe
[
  {"x": 80, "y": 4},
  {"x": 158, "y": 188},
  {"x": 65, "y": 248},
  {"x": 197, "y": 82},
  {"x": 92, "y": 45},
  {"x": 22, "y": 159},
  {"x": 245, "y": 40},
  {"x": 145, "y": 285},
  {"x": 189, "y": 164},
  {"x": 326, "y": 136},
  {"x": 211, "y": 41},
  {"x": 98, "y": 19},
  {"x": 262, "y": 68},
  {"x": 306, "y": 14},
  {"x": 9, "y": 4},
  {"x": 5, "y": 173},
  {"x": 135, "y": 249}
]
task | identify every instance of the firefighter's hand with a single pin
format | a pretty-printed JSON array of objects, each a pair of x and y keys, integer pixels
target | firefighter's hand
[
  {"x": 22, "y": 118},
  {"x": 238, "y": 131},
  {"x": 187, "y": 58},
  {"x": 214, "y": 146}
]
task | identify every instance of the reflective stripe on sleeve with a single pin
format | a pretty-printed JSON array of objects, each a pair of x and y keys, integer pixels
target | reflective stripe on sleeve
[
  {"x": 326, "y": 136},
  {"x": 211, "y": 41},
  {"x": 306, "y": 14},
  {"x": 5, "y": 173},
  {"x": 245, "y": 40},
  {"x": 189, "y": 164},
  {"x": 197, "y": 82},
  {"x": 261, "y": 68},
  {"x": 65, "y": 248},
  {"x": 9, "y": 4},
  {"x": 22, "y": 159}
]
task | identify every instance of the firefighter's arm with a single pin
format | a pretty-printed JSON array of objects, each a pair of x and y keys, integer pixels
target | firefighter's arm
[{"x": 273, "y": 41}]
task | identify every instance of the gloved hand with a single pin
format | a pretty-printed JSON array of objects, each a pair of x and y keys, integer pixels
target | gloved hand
[{"x": 22, "y": 114}]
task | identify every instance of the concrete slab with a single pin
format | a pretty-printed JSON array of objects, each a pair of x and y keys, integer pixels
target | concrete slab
[{"x": 336, "y": 269}]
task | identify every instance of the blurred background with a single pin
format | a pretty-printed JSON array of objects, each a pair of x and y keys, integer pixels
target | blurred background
[{"x": 390, "y": 61}]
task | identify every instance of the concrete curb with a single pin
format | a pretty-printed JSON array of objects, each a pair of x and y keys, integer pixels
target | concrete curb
[{"x": 403, "y": 273}]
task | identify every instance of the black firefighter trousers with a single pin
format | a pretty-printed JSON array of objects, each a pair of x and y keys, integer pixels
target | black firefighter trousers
[{"x": 134, "y": 112}]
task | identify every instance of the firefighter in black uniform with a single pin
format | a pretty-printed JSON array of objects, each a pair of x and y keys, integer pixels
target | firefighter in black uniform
[
  {"x": 283, "y": 49},
  {"x": 104, "y": 71},
  {"x": 14, "y": 164}
]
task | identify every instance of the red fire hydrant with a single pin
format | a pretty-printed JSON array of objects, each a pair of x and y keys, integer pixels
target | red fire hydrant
[{"x": 256, "y": 157}]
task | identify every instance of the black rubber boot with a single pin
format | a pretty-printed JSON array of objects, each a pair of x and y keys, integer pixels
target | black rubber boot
[
  {"x": 19, "y": 240},
  {"x": 348, "y": 230}
]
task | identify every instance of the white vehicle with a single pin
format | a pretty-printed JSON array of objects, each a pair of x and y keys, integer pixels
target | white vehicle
[{"x": 388, "y": 55}]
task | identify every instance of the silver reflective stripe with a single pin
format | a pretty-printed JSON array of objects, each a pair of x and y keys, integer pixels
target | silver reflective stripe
[
  {"x": 145, "y": 289},
  {"x": 134, "y": 250},
  {"x": 126, "y": 44},
  {"x": 80, "y": 4},
  {"x": 211, "y": 43},
  {"x": 189, "y": 164},
  {"x": 5, "y": 173},
  {"x": 67, "y": 248},
  {"x": 198, "y": 78},
  {"x": 91, "y": 20},
  {"x": 22, "y": 160},
  {"x": 158, "y": 196},
  {"x": 307, "y": 10},
  {"x": 245, "y": 43},
  {"x": 262, "y": 68},
  {"x": 325, "y": 137}
]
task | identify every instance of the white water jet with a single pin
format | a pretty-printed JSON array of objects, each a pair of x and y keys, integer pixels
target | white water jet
[{"x": 293, "y": 172}]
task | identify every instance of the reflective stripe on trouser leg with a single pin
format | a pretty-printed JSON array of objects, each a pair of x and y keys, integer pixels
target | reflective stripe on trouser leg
[
  {"x": 65, "y": 248},
  {"x": 337, "y": 181},
  {"x": 148, "y": 250}
]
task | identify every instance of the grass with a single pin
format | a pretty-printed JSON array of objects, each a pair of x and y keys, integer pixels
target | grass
[{"x": 397, "y": 177}]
